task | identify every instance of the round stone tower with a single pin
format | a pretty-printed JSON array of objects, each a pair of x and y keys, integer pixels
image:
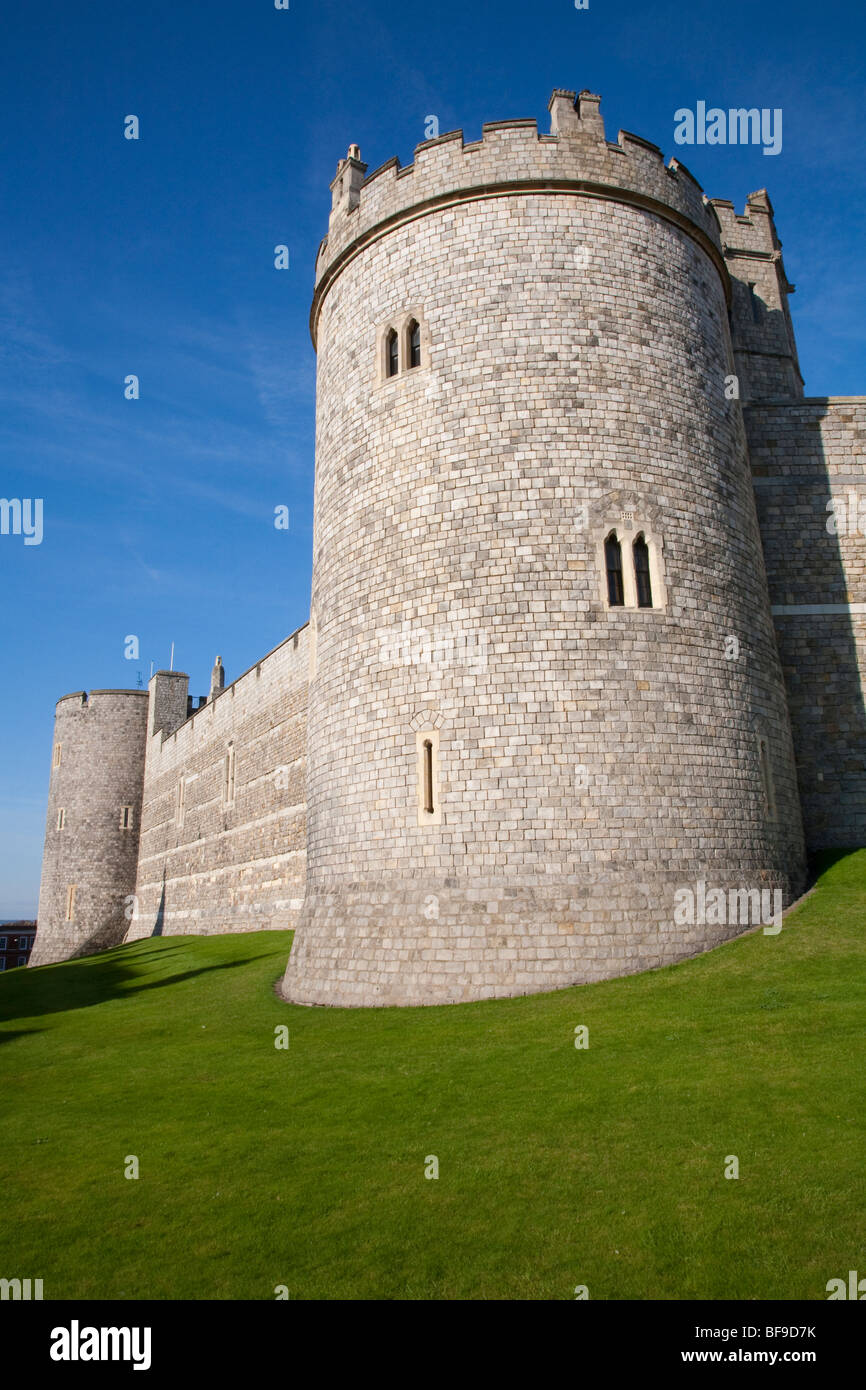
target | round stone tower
[
  {"x": 547, "y": 723},
  {"x": 92, "y": 826}
]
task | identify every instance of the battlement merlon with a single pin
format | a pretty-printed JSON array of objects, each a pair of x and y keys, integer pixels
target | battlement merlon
[{"x": 512, "y": 158}]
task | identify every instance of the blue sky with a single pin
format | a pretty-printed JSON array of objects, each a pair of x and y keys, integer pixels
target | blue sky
[{"x": 155, "y": 257}]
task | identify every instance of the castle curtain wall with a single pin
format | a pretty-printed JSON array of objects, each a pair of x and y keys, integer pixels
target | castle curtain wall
[
  {"x": 227, "y": 853},
  {"x": 806, "y": 455}
]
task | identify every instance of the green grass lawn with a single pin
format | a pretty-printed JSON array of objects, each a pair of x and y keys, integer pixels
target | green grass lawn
[{"x": 557, "y": 1166}]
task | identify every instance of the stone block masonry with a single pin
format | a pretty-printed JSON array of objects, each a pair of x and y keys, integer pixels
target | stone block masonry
[
  {"x": 579, "y": 639},
  {"x": 809, "y": 464},
  {"x": 223, "y": 815},
  {"x": 90, "y": 860},
  {"x": 573, "y": 304}
]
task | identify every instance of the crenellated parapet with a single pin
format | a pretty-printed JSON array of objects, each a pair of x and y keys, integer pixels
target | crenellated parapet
[
  {"x": 749, "y": 233},
  {"x": 512, "y": 157}
]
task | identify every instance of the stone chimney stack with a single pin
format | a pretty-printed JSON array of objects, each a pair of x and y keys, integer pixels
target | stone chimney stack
[
  {"x": 563, "y": 114},
  {"x": 570, "y": 117},
  {"x": 346, "y": 185},
  {"x": 591, "y": 119},
  {"x": 217, "y": 678}
]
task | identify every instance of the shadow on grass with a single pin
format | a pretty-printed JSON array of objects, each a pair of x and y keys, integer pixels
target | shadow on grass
[
  {"x": 79, "y": 984},
  {"x": 821, "y": 860}
]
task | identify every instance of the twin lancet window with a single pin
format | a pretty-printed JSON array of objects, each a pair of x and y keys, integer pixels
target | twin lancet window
[
  {"x": 401, "y": 348},
  {"x": 620, "y": 592}
]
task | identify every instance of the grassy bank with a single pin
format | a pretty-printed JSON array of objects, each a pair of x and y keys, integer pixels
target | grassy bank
[{"x": 305, "y": 1167}]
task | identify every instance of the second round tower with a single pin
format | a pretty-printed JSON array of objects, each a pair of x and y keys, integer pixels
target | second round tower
[{"x": 92, "y": 826}]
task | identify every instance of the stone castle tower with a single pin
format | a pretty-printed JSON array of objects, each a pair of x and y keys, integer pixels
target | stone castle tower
[
  {"x": 573, "y": 304},
  {"x": 563, "y": 657},
  {"x": 90, "y": 862}
]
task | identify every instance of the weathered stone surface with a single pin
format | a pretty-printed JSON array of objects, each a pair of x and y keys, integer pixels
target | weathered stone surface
[
  {"x": 806, "y": 456},
  {"x": 577, "y": 348},
  {"x": 235, "y": 862},
  {"x": 479, "y": 777},
  {"x": 97, "y": 769}
]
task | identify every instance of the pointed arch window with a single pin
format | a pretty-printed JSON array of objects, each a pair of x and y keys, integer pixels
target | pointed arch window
[
  {"x": 640, "y": 551},
  {"x": 414, "y": 336},
  {"x": 392, "y": 353},
  {"x": 401, "y": 344},
  {"x": 613, "y": 562}
]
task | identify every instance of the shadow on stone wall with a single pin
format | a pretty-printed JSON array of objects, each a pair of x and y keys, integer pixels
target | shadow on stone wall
[
  {"x": 806, "y": 566},
  {"x": 160, "y": 911}
]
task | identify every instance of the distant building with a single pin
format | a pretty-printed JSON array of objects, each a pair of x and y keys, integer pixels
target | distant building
[{"x": 16, "y": 943}]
